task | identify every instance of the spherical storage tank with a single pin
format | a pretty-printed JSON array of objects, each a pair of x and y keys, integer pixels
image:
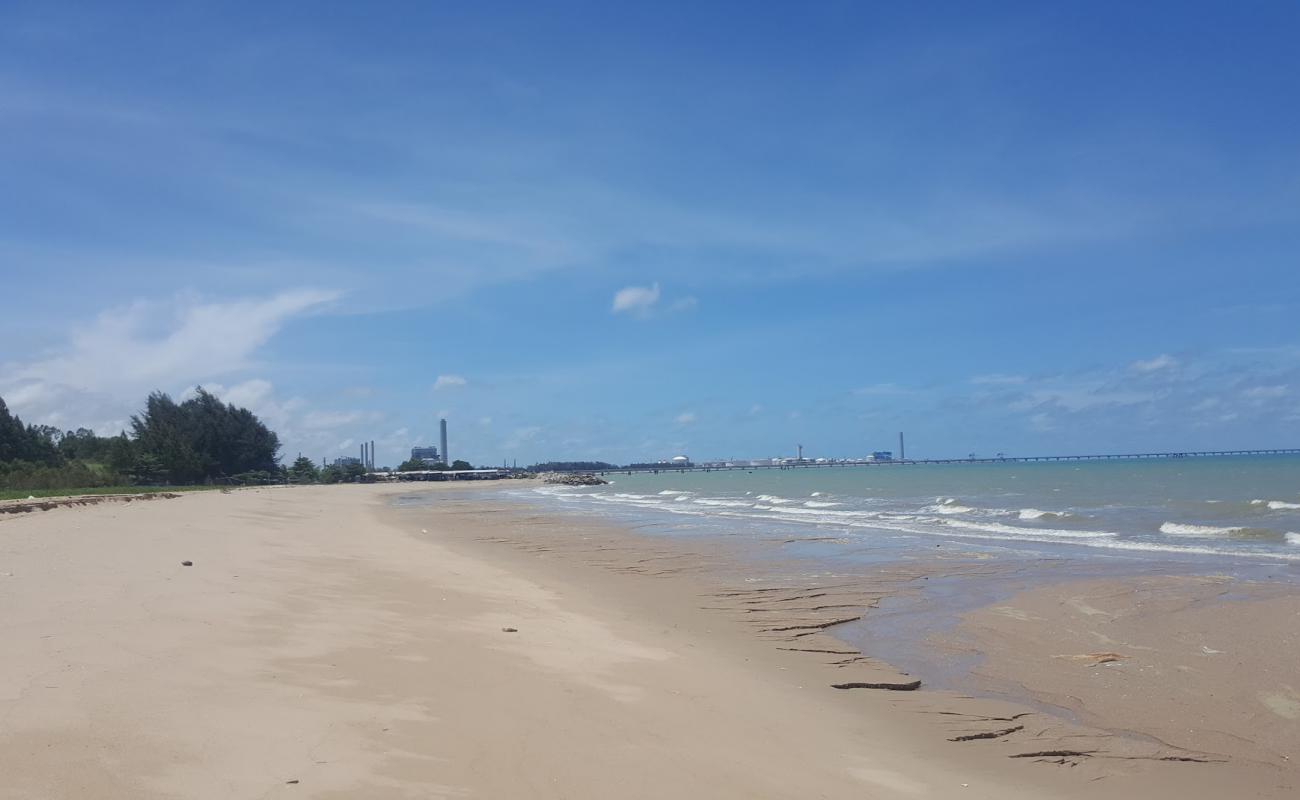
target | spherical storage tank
[{"x": 680, "y": 460}]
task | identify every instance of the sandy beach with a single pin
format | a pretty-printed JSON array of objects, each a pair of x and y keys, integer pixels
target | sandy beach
[{"x": 327, "y": 643}]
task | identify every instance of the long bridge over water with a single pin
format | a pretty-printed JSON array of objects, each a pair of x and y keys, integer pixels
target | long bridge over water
[{"x": 812, "y": 464}]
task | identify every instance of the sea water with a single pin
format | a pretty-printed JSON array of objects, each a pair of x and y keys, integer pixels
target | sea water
[{"x": 1224, "y": 508}]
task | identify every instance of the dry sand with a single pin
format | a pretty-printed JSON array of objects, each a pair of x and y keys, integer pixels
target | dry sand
[{"x": 324, "y": 644}]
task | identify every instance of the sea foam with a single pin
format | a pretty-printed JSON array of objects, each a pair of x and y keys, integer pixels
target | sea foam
[{"x": 1183, "y": 529}]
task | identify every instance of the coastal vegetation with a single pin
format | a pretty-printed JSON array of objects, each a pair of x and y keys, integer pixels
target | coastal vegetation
[{"x": 199, "y": 441}]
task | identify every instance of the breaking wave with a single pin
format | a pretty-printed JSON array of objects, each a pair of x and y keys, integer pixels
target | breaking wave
[{"x": 1183, "y": 529}]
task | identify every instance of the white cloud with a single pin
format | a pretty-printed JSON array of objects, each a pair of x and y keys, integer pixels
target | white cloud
[
  {"x": 107, "y": 367},
  {"x": 448, "y": 382},
  {"x": 636, "y": 299},
  {"x": 248, "y": 394},
  {"x": 258, "y": 395},
  {"x": 684, "y": 303},
  {"x": 1160, "y": 362},
  {"x": 685, "y": 418}
]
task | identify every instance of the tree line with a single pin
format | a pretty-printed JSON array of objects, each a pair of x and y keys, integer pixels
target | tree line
[{"x": 199, "y": 440}]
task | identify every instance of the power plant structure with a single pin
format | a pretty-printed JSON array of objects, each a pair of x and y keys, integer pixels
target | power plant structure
[
  {"x": 368, "y": 455},
  {"x": 446, "y": 458},
  {"x": 902, "y": 454}
]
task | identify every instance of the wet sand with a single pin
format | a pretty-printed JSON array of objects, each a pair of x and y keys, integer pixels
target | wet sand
[
  {"x": 1206, "y": 665},
  {"x": 327, "y": 644}
]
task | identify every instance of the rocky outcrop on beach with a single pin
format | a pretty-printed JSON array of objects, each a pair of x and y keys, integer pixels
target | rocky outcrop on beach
[{"x": 573, "y": 479}]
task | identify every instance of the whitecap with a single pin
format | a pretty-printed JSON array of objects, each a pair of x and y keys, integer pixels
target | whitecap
[
  {"x": 950, "y": 507},
  {"x": 818, "y": 504},
  {"x": 773, "y": 499},
  {"x": 1278, "y": 505},
  {"x": 709, "y": 501},
  {"x": 1182, "y": 529},
  {"x": 1033, "y": 534},
  {"x": 1293, "y": 538}
]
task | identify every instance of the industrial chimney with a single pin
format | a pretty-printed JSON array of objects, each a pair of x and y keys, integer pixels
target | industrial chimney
[
  {"x": 446, "y": 459},
  {"x": 902, "y": 454}
]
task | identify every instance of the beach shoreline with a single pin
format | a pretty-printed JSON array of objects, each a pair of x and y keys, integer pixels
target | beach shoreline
[
  {"x": 1111, "y": 677},
  {"x": 329, "y": 642}
]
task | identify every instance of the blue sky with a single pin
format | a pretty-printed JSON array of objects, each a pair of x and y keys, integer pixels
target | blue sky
[{"x": 604, "y": 231}]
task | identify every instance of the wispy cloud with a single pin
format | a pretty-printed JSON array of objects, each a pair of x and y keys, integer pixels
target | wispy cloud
[
  {"x": 1160, "y": 362},
  {"x": 685, "y": 418},
  {"x": 149, "y": 345},
  {"x": 637, "y": 300},
  {"x": 102, "y": 373},
  {"x": 449, "y": 382}
]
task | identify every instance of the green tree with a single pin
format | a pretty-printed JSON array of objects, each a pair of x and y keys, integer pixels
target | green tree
[
  {"x": 82, "y": 444},
  {"x": 412, "y": 465},
  {"x": 203, "y": 438},
  {"x": 303, "y": 470},
  {"x": 19, "y": 442},
  {"x": 458, "y": 464}
]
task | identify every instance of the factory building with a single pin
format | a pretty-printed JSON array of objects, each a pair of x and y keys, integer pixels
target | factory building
[{"x": 428, "y": 455}]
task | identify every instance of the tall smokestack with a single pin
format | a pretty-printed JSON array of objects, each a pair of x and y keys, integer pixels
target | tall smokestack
[
  {"x": 800, "y": 452},
  {"x": 902, "y": 454},
  {"x": 372, "y": 455},
  {"x": 446, "y": 459}
]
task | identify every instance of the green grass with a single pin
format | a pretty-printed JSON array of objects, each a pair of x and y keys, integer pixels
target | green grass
[{"x": 23, "y": 494}]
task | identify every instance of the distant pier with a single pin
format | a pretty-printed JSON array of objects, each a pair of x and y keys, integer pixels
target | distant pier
[{"x": 811, "y": 464}]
